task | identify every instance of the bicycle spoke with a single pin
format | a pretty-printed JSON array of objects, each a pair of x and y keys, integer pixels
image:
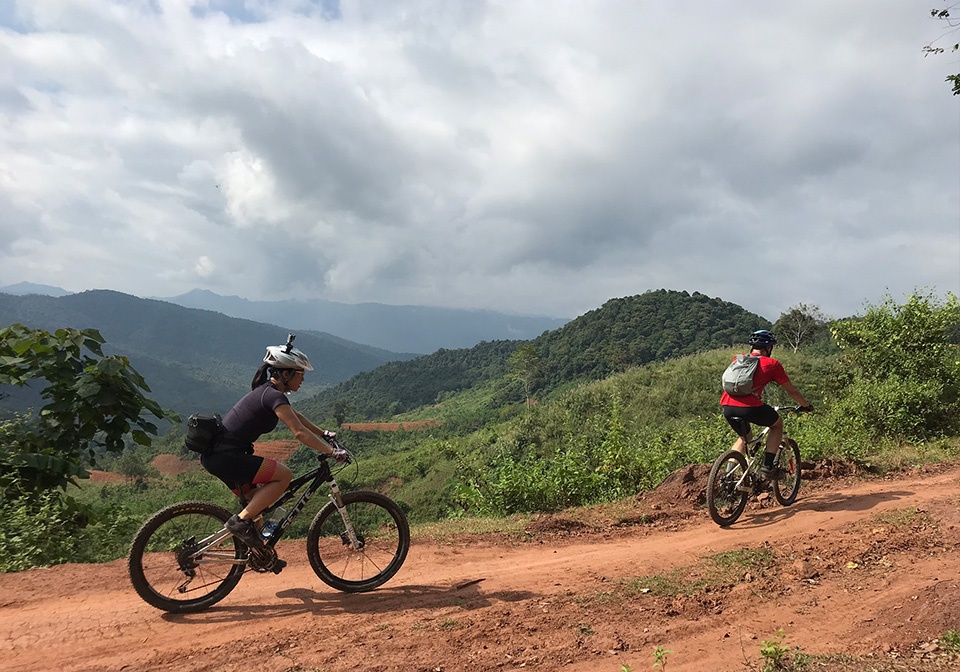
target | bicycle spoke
[
  {"x": 380, "y": 542},
  {"x": 725, "y": 500},
  {"x": 171, "y": 570},
  {"x": 788, "y": 462}
]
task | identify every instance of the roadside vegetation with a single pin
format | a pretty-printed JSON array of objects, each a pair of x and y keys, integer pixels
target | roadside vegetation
[{"x": 523, "y": 437}]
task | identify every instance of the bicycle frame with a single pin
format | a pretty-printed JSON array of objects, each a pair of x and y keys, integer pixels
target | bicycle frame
[
  {"x": 310, "y": 482},
  {"x": 750, "y": 447}
]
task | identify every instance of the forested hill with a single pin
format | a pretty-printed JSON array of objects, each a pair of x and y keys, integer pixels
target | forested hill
[
  {"x": 639, "y": 329},
  {"x": 192, "y": 359},
  {"x": 623, "y": 332}
]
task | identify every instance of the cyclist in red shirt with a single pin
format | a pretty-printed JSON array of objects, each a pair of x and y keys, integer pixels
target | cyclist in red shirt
[{"x": 742, "y": 411}]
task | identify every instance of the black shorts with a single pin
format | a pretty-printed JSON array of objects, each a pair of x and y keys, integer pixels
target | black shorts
[
  {"x": 741, "y": 417},
  {"x": 234, "y": 468}
]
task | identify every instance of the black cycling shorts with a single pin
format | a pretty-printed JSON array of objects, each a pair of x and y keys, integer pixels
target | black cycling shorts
[
  {"x": 235, "y": 469},
  {"x": 741, "y": 417}
]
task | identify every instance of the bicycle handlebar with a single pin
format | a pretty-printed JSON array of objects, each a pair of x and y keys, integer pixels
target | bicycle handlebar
[
  {"x": 796, "y": 408},
  {"x": 335, "y": 442}
]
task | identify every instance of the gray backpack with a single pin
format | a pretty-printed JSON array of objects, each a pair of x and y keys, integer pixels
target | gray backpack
[{"x": 738, "y": 377}]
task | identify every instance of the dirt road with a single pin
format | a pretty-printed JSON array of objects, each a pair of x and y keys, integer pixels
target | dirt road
[{"x": 865, "y": 568}]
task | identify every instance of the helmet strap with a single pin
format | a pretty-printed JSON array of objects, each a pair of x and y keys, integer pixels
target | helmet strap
[{"x": 283, "y": 376}]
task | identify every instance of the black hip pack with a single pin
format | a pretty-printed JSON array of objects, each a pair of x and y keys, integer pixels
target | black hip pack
[{"x": 203, "y": 433}]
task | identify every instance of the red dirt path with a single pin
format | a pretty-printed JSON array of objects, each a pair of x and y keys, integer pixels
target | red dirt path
[
  {"x": 866, "y": 568},
  {"x": 407, "y": 426}
]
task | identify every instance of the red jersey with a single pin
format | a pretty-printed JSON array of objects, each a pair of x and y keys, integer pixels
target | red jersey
[{"x": 770, "y": 370}]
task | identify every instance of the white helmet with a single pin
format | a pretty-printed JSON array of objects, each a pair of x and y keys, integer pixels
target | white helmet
[{"x": 286, "y": 357}]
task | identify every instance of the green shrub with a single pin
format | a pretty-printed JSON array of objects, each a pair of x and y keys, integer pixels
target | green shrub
[
  {"x": 904, "y": 371},
  {"x": 39, "y": 530},
  {"x": 897, "y": 407}
]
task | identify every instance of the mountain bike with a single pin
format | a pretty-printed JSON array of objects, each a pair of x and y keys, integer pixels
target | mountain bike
[
  {"x": 734, "y": 476},
  {"x": 183, "y": 560}
]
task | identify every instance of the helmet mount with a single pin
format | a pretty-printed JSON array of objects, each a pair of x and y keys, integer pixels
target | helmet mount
[{"x": 287, "y": 357}]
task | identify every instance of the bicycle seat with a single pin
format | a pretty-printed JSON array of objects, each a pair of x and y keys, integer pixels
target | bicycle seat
[{"x": 744, "y": 429}]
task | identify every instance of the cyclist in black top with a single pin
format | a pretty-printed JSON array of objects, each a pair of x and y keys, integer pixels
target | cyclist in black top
[{"x": 259, "y": 412}]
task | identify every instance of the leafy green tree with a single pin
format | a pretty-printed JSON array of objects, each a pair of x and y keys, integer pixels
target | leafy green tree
[
  {"x": 952, "y": 26},
  {"x": 525, "y": 365},
  {"x": 135, "y": 464},
  {"x": 341, "y": 409},
  {"x": 801, "y": 325},
  {"x": 94, "y": 402}
]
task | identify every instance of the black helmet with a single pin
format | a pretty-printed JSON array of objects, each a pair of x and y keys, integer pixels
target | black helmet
[{"x": 763, "y": 338}]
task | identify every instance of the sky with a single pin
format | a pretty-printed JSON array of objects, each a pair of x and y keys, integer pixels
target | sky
[{"x": 522, "y": 156}]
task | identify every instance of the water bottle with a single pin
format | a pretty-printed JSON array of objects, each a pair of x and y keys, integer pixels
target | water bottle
[{"x": 275, "y": 517}]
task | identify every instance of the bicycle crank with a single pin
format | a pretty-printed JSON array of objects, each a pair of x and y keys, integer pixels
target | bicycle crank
[{"x": 264, "y": 560}]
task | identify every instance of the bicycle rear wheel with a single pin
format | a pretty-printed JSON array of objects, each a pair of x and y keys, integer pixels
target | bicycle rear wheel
[
  {"x": 383, "y": 537},
  {"x": 724, "y": 501},
  {"x": 785, "y": 489},
  {"x": 171, "y": 566}
]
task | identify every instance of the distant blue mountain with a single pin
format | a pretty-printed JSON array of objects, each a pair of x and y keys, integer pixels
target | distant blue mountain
[
  {"x": 25, "y": 288},
  {"x": 413, "y": 329},
  {"x": 192, "y": 359}
]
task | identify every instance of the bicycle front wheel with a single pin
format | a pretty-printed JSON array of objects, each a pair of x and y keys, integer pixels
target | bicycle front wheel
[
  {"x": 724, "y": 501},
  {"x": 382, "y": 537},
  {"x": 179, "y": 560},
  {"x": 785, "y": 489}
]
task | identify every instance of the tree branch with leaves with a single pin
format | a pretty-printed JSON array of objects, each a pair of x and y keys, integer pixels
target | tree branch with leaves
[
  {"x": 94, "y": 401},
  {"x": 953, "y": 26}
]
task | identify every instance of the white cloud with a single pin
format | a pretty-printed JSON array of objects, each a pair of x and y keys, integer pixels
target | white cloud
[{"x": 507, "y": 155}]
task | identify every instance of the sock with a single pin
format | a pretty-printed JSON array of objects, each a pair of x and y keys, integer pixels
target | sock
[{"x": 768, "y": 459}]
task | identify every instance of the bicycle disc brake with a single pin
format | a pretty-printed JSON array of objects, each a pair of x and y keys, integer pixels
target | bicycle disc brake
[{"x": 346, "y": 541}]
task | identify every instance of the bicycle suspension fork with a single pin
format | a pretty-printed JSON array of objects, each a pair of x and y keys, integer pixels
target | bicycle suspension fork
[{"x": 350, "y": 535}]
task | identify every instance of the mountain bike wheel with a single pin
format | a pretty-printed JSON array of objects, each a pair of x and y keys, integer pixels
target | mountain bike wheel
[
  {"x": 788, "y": 462},
  {"x": 165, "y": 565},
  {"x": 383, "y": 535},
  {"x": 724, "y": 501}
]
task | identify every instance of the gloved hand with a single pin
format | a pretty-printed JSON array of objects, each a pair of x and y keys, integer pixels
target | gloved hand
[
  {"x": 327, "y": 434},
  {"x": 340, "y": 455}
]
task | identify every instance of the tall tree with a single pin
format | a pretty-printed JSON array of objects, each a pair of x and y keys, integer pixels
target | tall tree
[
  {"x": 800, "y": 325},
  {"x": 525, "y": 365},
  {"x": 341, "y": 409}
]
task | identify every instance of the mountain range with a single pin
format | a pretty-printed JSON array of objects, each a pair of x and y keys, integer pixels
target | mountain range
[
  {"x": 417, "y": 329},
  {"x": 412, "y": 329},
  {"x": 192, "y": 359},
  {"x": 201, "y": 360}
]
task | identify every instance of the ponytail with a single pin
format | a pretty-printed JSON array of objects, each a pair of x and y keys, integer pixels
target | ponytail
[{"x": 260, "y": 377}]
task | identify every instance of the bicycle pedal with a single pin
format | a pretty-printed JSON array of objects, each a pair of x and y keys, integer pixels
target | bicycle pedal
[{"x": 278, "y": 565}]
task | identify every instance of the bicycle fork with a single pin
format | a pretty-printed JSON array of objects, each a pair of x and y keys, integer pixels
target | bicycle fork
[{"x": 349, "y": 536}]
